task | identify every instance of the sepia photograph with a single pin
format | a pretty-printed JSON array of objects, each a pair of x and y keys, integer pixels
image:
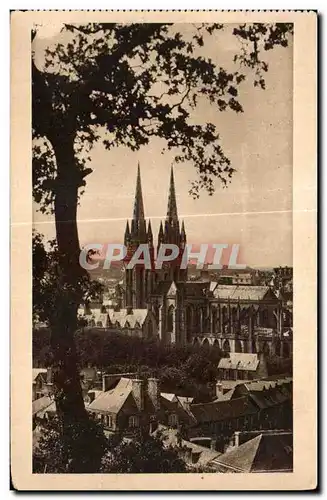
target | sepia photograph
[{"x": 162, "y": 247}]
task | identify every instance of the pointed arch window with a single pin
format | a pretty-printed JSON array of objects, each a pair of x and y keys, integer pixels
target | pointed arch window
[{"x": 170, "y": 319}]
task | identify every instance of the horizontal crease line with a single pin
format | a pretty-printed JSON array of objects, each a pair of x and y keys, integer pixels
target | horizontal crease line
[{"x": 161, "y": 217}]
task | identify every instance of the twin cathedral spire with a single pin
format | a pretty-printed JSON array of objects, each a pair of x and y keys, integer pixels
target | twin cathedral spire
[
  {"x": 140, "y": 283},
  {"x": 169, "y": 232}
]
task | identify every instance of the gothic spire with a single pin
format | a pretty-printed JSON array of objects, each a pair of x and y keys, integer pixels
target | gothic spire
[
  {"x": 172, "y": 205},
  {"x": 127, "y": 232},
  {"x": 183, "y": 233},
  {"x": 150, "y": 235},
  {"x": 138, "y": 214},
  {"x": 161, "y": 233}
]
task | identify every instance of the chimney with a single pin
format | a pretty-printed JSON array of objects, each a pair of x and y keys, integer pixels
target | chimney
[
  {"x": 213, "y": 444},
  {"x": 187, "y": 403},
  {"x": 106, "y": 380},
  {"x": 154, "y": 392},
  {"x": 138, "y": 392},
  {"x": 49, "y": 376},
  {"x": 91, "y": 395},
  {"x": 237, "y": 439},
  {"x": 219, "y": 390}
]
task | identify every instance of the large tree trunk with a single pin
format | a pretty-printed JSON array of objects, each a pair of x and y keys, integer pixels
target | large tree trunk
[{"x": 68, "y": 393}]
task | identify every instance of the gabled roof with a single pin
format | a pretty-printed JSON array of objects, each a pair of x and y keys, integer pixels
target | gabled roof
[
  {"x": 169, "y": 396},
  {"x": 264, "y": 453},
  {"x": 240, "y": 361},
  {"x": 243, "y": 292},
  {"x": 185, "y": 401},
  {"x": 122, "y": 317},
  {"x": 241, "y": 458},
  {"x": 227, "y": 396},
  {"x": 37, "y": 371},
  {"x": 113, "y": 400},
  {"x": 172, "y": 290}
]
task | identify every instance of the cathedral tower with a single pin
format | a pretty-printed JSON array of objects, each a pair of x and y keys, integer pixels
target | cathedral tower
[
  {"x": 136, "y": 287},
  {"x": 139, "y": 282},
  {"x": 171, "y": 233}
]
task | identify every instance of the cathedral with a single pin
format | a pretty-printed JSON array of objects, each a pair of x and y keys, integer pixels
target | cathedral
[
  {"x": 236, "y": 318},
  {"x": 167, "y": 305}
]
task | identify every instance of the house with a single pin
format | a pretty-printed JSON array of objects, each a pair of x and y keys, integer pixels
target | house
[
  {"x": 195, "y": 455},
  {"x": 42, "y": 382},
  {"x": 42, "y": 409},
  {"x": 266, "y": 451},
  {"x": 129, "y": 403},
  {"x": 39, "y": 379},
  {"x": 242, "y": 366},
  {"x": 255, "y": 405},
  {"x": 218, "y": 420}
]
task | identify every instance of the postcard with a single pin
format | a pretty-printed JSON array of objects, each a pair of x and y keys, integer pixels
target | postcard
[{"x": 163, "y": 250}]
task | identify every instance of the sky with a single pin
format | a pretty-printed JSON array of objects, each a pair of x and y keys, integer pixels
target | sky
[{"x": 255, "y": 211}]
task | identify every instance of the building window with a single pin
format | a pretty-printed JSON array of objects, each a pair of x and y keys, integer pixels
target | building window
[
  {"x": 133, "y": 421},
  {"x": 170, "y": 319},
  {"x": 172, "y": 420},
  {"x": 109, "y": 421}
]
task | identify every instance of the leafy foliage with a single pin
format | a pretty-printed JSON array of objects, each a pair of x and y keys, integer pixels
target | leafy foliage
[
  {"x": 262, "y": 37},
  {"x": 77, "y": 450},
  {"x": 146, "y": 454},
  {"x": 188, "y": 370},
  {"x": 127, "y": 83},
  {"x": 47, "y": 283},
  {"x": 86, "y": 449}
]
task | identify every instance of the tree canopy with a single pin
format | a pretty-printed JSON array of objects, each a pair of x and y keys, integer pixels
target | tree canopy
[{"x": 138, "y": 81}]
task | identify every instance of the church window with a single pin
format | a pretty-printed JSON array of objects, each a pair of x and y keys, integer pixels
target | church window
[{"x": 170, "y": 319}]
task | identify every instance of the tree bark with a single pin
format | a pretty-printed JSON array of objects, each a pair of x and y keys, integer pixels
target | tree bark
[{"x": 68, "y": 392}]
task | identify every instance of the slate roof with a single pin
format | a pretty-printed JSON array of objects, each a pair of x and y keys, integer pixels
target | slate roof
[
  {"x": 167, "y": 405},
  {"x": 220, "y": 410},
  {"x": 265, "y": 384},
  {"x": 265, "y": 452},
  {"x": 227, "y": 396},
  {"x": 185, "y": 400},
  {"x": 242, "y": 292},
  {"x": 113, "y": 400},
  {"x": 122, "y": 317},
  {"x": 37, "y": 371},
  {"x": 267, "y": 399},
  {"x": 240, "y": 361},
  {"x": 171, "y": 397},
  {"x": 175, "y": 397},
  {"x": 41, "y": 404}
]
